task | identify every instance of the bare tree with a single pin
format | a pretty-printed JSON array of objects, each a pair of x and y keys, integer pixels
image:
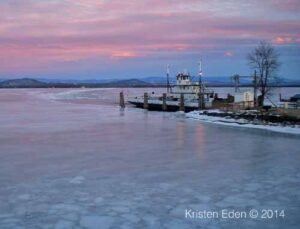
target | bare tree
[{"x": 264, "y": 59}]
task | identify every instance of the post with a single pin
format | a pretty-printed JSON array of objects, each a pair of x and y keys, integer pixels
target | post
[
  {"x": 236, "y": 79},
  {"x": 181, "y": 103},
  {"x": 164, "y": 102},
  {"x": 168, "y": 80},
  {"x": 122, "y": 101},
  {"x": 201, "y": 104},
  {"x": 255, "y": 89},
  {"x": 146, "y": 105}
]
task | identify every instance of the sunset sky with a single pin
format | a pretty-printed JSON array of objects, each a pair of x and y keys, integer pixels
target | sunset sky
[{"x": 97, "y": 39}]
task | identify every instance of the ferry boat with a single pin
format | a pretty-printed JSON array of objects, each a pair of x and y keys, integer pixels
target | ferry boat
[{"x": 186, "y": 93}]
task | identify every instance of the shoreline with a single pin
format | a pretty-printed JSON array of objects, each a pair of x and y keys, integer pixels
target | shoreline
[{"x": 238, "y": 120}]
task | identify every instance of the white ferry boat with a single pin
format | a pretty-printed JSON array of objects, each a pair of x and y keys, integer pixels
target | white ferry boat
[{"x": 187, "y": 93}]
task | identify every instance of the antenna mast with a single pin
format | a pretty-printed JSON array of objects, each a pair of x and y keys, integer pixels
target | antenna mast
[
  {"x": 200, "y": 73},
  {"x": 168, "y": 80},
  {"x": 201, "y": 99}
]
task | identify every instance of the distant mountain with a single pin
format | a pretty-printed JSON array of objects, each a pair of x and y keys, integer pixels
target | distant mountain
[
  {"x": 33, "y": 83},
  {"x": 220, "y": 81},
  {"x": 131, "y": 81},
  {"x": 22, "y": 83},
  {"x": 209, "y": 81},
  {"x": 75, "y": 81},
  {"x": 127, "y": 83},
  {"x": 288, "y": 82},
  {"x": 158, "y": 80}
]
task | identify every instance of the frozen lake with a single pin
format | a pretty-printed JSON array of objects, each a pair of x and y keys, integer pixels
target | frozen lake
[{"x": 73, "y": 159}]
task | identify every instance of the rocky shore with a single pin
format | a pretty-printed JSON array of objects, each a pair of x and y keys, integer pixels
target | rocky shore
[
  {"x": 256, "y": 117},
  {"x": 251, "y": 119}
]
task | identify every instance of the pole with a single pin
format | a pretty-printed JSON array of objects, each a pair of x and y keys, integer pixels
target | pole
[
  {"x": 200, "y": 75},
  {"x": 146, "y": 105},
  {"x": 168, "y": 80},
  {"x": 236, "y": 79},
  {"x": 201, "y": 104},
  {"x": 122, "y": 101},
  {"x": 164, "y": 102},
  {"x": 200, "y": 94},
  {"x": 255, "y": 89},
  {"x": 181, "y": 103}
]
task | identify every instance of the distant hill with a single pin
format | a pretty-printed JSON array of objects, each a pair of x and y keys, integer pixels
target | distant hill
[
  {"x": 221, "y": 81},
  {"x": 22, "y": 83},
  {"x": 216, "y": 81},
  {"x": 75, "y": 81},
  {"x": 127, "y": 83},
  {"x": 33, "y": 83},
  {"x": 158, "y": 80}
]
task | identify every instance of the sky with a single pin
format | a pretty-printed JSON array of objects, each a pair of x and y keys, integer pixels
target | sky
[{"x": 103, "y": 39}]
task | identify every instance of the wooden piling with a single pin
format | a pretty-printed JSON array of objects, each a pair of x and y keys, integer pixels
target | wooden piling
[
  {"x": 146, "y": 105},
  {"x": 122, "y": 101},
  {"x": 181, "y": 103},
  {"x": 164, "y": 102},
  {"x": 201, "y": 104}
]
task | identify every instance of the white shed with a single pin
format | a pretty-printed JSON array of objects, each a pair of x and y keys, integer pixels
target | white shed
[
  {"x": 244, "y": 99},
  {"x": 246, "y": 96}
]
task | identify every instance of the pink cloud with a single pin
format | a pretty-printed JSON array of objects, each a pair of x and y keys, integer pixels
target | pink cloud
[
  {"x": 35, "y": 33},
  {"x": 228, "y": 54},
  {"x": 123, "y": 54},
  {"x": 283, "y": 40}
]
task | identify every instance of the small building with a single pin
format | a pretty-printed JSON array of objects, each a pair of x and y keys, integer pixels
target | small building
[{"x": 244, "y": 99}]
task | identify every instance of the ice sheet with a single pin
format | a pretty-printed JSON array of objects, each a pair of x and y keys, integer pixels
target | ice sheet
[{"x": 70, "y": 165}]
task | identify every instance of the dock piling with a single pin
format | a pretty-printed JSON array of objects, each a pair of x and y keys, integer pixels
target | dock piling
[
  {"x": 201, "y": 104},
  {"x": 181, "y": 103},
  {"x": 122, "y": 101},
  {"x": 164, "y": 102},
  {"x": 146, "y": 105}
]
